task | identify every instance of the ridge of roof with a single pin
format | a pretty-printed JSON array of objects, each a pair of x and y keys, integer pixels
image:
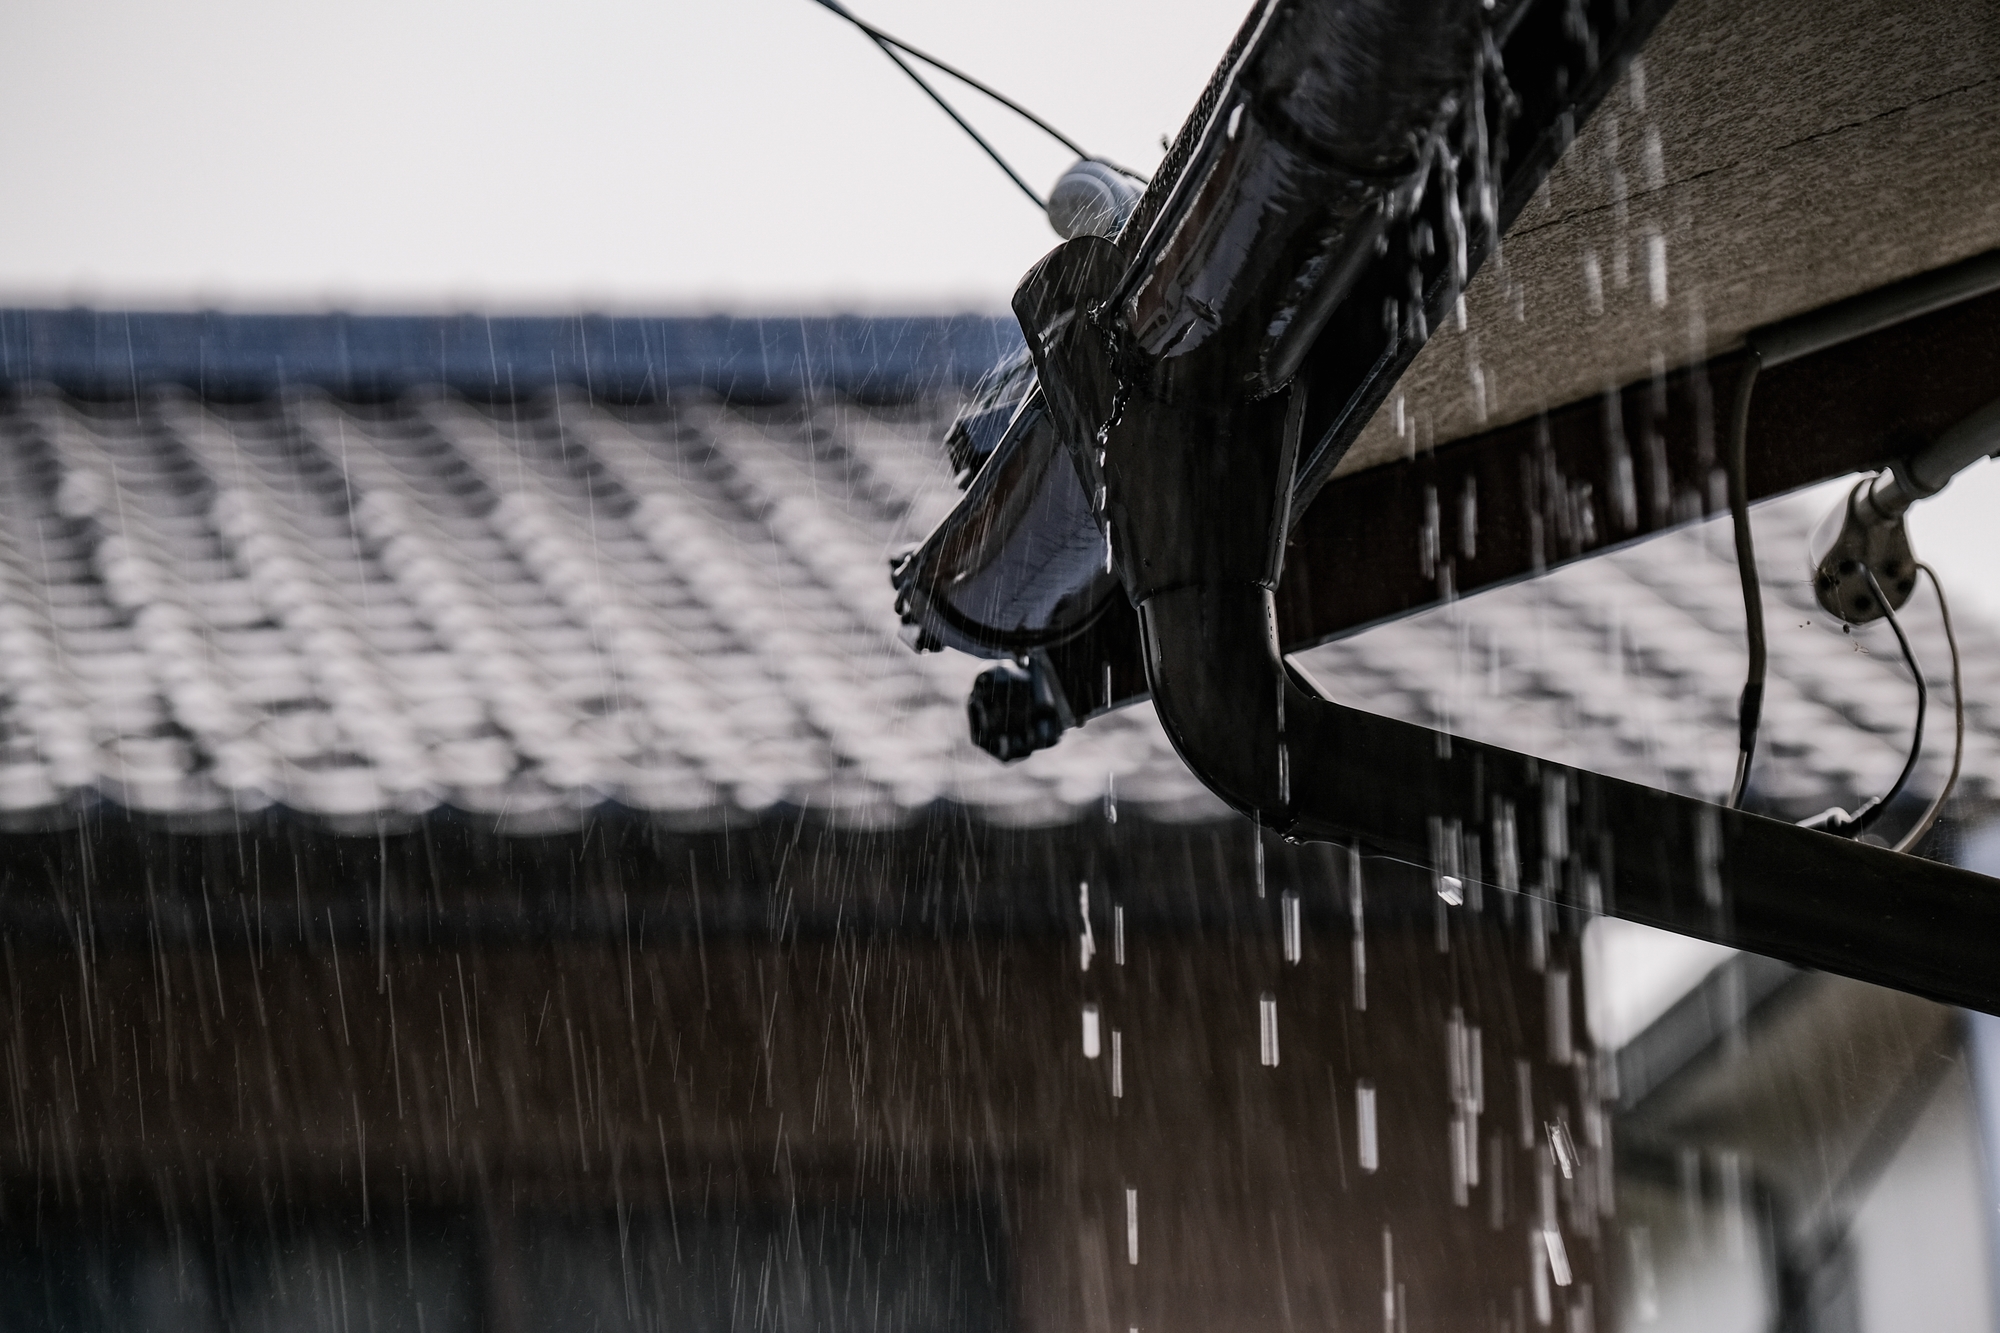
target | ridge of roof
[{"x": 619, "y": 358}]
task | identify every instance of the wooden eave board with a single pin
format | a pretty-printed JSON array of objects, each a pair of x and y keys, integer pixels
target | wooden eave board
[{"x": 1806, "y": 152}]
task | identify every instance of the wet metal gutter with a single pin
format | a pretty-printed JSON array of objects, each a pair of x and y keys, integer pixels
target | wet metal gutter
[{"x": 1173, "y": 395}]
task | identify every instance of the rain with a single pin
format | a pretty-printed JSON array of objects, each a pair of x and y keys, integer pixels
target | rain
[{"x": 750, "y": 691}]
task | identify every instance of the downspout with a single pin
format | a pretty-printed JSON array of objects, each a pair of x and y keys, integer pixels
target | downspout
[{"x": 1192, "y": 449}]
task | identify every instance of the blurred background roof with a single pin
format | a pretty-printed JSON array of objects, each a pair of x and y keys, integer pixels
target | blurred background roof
[{"x": 380, "y": 577}]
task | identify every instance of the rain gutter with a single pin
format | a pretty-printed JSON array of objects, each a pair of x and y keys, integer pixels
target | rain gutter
[{"x": 1169, "y": 385}]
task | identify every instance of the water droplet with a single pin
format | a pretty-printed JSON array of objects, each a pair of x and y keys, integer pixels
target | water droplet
[
  {"x": 1524, "y": 1092},
  {"x": 1267, "y": 1029},
  {"x": 1561, "y": 1147},
  {"x": 1289, "y": 904},
  {"x": 1086, "y": 941},
  {"x": 1708, "y": 854},
  {"x": 1656, "y": 269},
  {"x": 1093, "y": 1045},
  {"x": 1735, "y": 1228},
  {"x": 1558, "y": 1256},
  {"x": 1117, "y": 1063},
  {"x": 1388, "y": 1281},
  {"x": 1368, "y": 1146},
  {"x": 1468, "y": 516},
  {"x": 1359, "y": 945},
  {"x": 1645, "y": 1280},
  {"x": 1562, "y": 1046},
  {"x": 1132, "y": 1226},
  {"x": 1428, "y": 537},
  {"x": 1506, "y": 846}
]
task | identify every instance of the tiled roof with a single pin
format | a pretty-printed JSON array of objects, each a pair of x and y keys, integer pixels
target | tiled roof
[
  {"x": 529, "y": 611},
  {"x": 523, "y": 612}
]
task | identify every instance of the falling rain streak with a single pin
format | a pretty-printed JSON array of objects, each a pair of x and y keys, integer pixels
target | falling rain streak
[
  {"x": 485, "y": 852},
  {"x": 1267, "y": 1030}
]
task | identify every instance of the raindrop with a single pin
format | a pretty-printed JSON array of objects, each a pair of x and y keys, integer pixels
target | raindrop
[
  {"x": 1475, "y": 1062},
  {"x": 1117, "y": 1063},
  {"x": 1562, "y": 1147},
  {"x": 1289, "y": 903},
  {"x": 1468, "y": 518},
  {"x": 1656, "y": 269},
  {"x": 1447, "y": 875},
  {"x": 1593, "y": 283},
  {"x": 1538, "y": 1264},
  {"x": 1645, "y": 1280},
  {"x": 1360, "y": 942},
  {"x": 1473, "y": 868},
  {"x": 1558, "y": 1256},
  {"x": 1562, "y": 1046},
  {"x": 1461, "y": 1159},
  {"x": 1110, "y": 797},
  {"x": 1131, "y": 1226},
  {"x": 1428, "y": 537},
  {"x": 1267, "y": 1029},
  {"x": 1092, "y": 1043},
  {"x": 1389, "y": 1285},
  {"x": 1086, "y": 942},
  {"x": 1735, "y": 1232},
  {"x": 1369, "y": 1153},
  {"x": 1555, "y": 818},
  {"x": 1118, "y": 934},
  {"x": 1691, "y": 1202},
  {"x": 1524, "y": 1090},
  {"x": 1496, "y": 1199},
  {"x": 1457, "y": 1060},
  {"x": 1708, "y": 854},
  {"x": 1506, "y": 846},
  {"x": 1551, "y": 1233}
]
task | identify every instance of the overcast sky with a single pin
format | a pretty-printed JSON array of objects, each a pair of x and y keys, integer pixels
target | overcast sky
[{"x": 640, "y": 154}]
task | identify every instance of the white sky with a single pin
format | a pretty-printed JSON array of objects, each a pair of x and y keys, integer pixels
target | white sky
[
  {"x": 600, "y": 154},
  {"x": 511, "y": 155}
]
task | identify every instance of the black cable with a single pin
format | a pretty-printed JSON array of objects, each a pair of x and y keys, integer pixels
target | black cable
[
  {"x": 1869, "y": 813},
  {"x": 891, "y": 44},
  {"x": 1750, "y": 707},
  {"x": 891, "y": 39},
  {"x": 904, "y": 65},
  {"x": 1923, "y": 825}
]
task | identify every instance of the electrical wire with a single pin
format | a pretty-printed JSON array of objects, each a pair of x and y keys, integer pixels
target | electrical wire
[
  {"x": 891, "y": 45},
  {"x": 1923, "y": 826},
  {"x": 1750, "y": 705},
  {"x": 1872, "y": 811}
]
